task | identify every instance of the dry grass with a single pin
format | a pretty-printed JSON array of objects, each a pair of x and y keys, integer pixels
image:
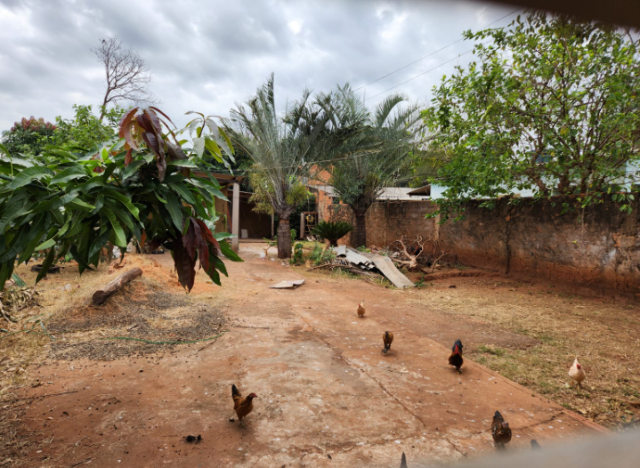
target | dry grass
[
  {"x": 603, "y": 333},
  {"x": 151, "y": 308}
]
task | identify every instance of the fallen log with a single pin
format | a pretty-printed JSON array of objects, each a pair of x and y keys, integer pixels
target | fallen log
[{"x": 101, "y": 295}]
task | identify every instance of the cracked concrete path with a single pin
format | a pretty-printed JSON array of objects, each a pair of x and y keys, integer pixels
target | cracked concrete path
[{"x": 326, "y": 394}]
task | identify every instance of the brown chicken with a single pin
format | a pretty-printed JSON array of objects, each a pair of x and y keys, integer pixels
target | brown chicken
[
  {"x": 242, "y": 406},
  {"x": 387, "y": 339},
  {"x": 456, "y": 356},
  {"x": 500, "y": 431},
  {"x": 361, "y": 309}
]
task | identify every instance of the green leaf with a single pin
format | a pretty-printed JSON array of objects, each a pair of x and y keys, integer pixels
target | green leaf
[
  {"x": 120, "y": 237},
  {"x": 214, "y": 149},
  {"x": 79, "y": 204},
  {"x": 74, "y": 172},
  {"x": 132, "y": 168},
  {"x": 175, "y": 210},
  {"x": 48, "y": 261},
  {"x": 183, "y": 163},
  {"x": 183, "y": 191},
  {"x": 228, "y": 252},
  {"x": 26, "y": 176},
  {"x": 13, "y": 211},
  {"x": 125, "y": 201},
  {"x": 46, "y": 244},
  {"x": 206, "y": 185}
]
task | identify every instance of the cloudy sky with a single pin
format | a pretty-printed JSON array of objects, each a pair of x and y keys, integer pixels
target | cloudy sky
[{"x": 208, "y": 55}]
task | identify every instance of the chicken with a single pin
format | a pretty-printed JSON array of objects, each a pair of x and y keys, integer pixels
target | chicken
[
  {"x": 456, "y": 356},
  {"x": 387, "y": 339},
  {"x": 500, "y": 431},
  {"x": 577, "y": 373},
  {"x": 242, "y": 406},
  {"x": 535, "y": 445},
  {"x": 361, "y": 309},
  {"x": 403, "y": 461}
]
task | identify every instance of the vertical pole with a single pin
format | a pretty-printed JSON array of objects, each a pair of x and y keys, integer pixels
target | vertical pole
[
  {"x": 273, "y": 222},
  {"x": 235, "y": 218},
  {"x": 303, "y": 226}
]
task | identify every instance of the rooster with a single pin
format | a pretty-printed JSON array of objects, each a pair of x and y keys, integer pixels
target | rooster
[
  {"x": 500, "y": 431},
  {"x": 456, "y": 356},
  {"x": 242, "y": 406},
  {"x": 577, "y": 373},
  {"x": 387, "y": 339},
  {"x": 361, "y": 309}
]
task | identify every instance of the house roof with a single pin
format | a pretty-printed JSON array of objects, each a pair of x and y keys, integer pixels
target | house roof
[
  {"x": 387, "y": 193},
  {"x": 425, "y": 190}
]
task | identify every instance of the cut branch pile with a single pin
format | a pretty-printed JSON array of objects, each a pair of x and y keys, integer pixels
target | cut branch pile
[{"x": 415, "y": 257}]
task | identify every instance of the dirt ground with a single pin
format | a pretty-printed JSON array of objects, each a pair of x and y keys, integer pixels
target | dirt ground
[{"x": 96, "y": 396}]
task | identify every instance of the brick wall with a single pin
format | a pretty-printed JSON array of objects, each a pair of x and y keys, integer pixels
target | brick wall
[{"x": 530, "y": 239}]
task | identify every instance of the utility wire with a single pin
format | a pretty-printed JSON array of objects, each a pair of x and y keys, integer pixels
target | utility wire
[{"x": 429, "y": 55}]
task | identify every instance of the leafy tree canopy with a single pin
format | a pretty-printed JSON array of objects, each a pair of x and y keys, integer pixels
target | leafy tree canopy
[
  {"x": 551, "y": 105},
  {"x": 139, "y": 186},
  {"x": 28, "y": 137}
]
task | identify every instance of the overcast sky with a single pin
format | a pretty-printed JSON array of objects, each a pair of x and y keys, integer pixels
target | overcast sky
[{"x": 208, "y": 55}]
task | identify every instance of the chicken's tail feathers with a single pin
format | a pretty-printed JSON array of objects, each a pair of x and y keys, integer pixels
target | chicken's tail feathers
[
  {"x": 403, "y": 461},
  {"x": 234, "y": 391},
  {"x": 534, "y": 444},
  {"x": 498, "y": 417}
]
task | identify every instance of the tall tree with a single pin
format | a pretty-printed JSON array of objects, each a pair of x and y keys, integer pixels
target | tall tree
[
  {"x": 552, "y": 105},
  {"x": 126, "y": 74},
  {"x": 278, "y": 146},
  {"x": 370, "y": 150}
]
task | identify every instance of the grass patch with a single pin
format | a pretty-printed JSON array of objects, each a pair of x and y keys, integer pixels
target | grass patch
[{"x": 602, "y": 333}]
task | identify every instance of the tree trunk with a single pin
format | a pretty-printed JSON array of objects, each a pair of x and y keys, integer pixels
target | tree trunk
[
  {"x": 359, "y": 237},
  {"x": 284, "y": 238}
]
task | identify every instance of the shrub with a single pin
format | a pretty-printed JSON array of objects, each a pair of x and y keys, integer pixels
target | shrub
[{"x": 332, "y": 231}]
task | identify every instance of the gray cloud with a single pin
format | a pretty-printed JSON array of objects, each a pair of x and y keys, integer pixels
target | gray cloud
[{"x": 206, "y": 56}]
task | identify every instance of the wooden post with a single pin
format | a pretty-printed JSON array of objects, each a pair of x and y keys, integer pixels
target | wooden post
[
  {"x": 302, "y": 225},
  {"x": 235, "y": 218},
  {"x": 102, "y": 294}
]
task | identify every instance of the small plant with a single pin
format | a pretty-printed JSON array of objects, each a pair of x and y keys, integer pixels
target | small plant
[
  {"x": 332, "y": 231},
  {"x": 297, "y": 253},
  {"x": 362, "y": 248},
  {"x": 319, "y": 255}
]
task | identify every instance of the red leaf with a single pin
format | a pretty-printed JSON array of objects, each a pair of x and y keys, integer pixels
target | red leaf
[
  {"x": 189, "y": 242},
  {"x": 144, "y": 122},
  {"x": 201, "y": 244},
  {"x": 209, "y": 237},
  {"x": 125, "y": 128},
  {"x": 159, "y": 111},
  {"x": 185, "y": 265},
  {"x": 151, "y": 141},
  {"x": 155, "y": 120},
  {"x": 128, "y": 158},
  {"x": 161, "y": 163}
]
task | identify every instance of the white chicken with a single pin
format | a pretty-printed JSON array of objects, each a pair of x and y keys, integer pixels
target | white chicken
[{"x": 577, "y": 373}]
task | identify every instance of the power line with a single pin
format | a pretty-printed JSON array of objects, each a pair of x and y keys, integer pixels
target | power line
[
  {"x": 423, "y": 73},
  {"x": 432, "y": 53}
]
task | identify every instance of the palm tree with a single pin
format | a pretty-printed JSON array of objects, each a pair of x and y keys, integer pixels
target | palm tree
[
  {"x": 278, "y": 147},
  {"x": 370, "y": 151}
]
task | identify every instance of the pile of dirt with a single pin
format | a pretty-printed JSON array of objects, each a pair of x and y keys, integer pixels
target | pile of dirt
[{"x": 143, "y": 318}]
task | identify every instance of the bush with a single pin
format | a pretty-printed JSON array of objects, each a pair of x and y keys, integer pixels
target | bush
[{"x": 332, "y": 231}]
